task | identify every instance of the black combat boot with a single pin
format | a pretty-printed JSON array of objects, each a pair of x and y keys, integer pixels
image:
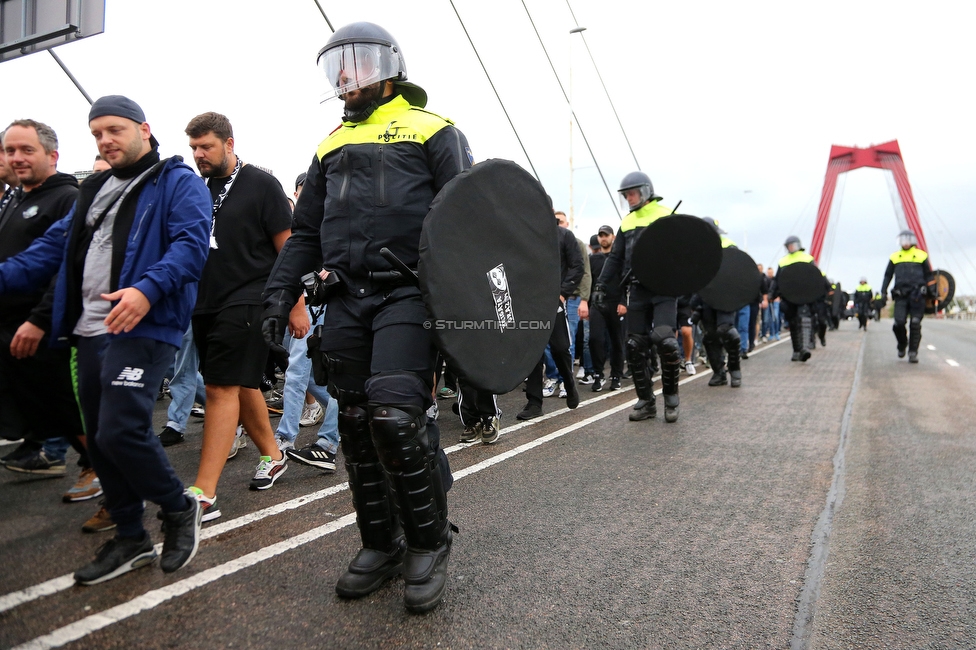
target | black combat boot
[{"x": 644, "y": 409}]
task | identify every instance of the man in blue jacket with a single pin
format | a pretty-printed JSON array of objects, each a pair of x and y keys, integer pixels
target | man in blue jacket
[{"x": 127, "y": 259}]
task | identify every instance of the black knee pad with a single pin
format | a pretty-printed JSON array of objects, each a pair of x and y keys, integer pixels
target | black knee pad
[
  {"x": 400, "y": 387},
  {"x": 400, "y": 434},
  {"x": 637, "y": 346},
  {"x": 667, "y": 345},
  {"x": 728, "y": 334},
  {"x": 662, "y": 333}
]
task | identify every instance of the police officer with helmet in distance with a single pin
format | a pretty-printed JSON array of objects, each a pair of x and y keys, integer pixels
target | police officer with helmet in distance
[
  {"x": 369, "y": 187},
  {"x": 800, "y": 317},
  {"x": 914, "y": 281},
  {"x": 862, "y": 303},
  {"x": 651, "y": 319},
  {"x": 719, "y": 332}
]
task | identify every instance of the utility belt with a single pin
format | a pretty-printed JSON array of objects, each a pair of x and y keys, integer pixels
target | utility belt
[
  {"x": 319, "y": 291},
  {"x": 908, "y": 293}
]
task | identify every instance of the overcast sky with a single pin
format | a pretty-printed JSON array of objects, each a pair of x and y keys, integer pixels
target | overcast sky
[{"x": 730, "y": 107}]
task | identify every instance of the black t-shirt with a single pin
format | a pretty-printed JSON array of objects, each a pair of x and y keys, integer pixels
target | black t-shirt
[{"x": 252, "y": 214}]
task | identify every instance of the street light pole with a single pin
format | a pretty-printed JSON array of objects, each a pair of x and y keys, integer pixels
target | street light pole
[{"x": 572, "y": 216}]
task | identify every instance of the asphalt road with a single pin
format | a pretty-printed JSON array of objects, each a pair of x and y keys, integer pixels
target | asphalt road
[{"x": 824, "y": 505}]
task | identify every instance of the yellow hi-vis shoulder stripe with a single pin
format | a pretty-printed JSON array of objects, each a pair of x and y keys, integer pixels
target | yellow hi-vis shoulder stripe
[
  {"x": 391, "y": 123},
  {"x": 644, "y": 216},
  {"x": 911, "y": 255},
  {"x": 794, "y": 258}
]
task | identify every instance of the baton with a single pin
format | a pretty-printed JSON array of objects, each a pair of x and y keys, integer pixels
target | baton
[
  {"x": 402, "y": 268},
  {"x": 676, "y": 207}
]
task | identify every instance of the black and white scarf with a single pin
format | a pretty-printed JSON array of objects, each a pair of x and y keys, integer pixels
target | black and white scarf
[{"x": 219, "y": 201}]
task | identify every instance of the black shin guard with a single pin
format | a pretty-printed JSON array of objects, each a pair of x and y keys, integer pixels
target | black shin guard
[
  {"x": 914, "y": 339},
  {"x": 806, "y": 326},
  {"x": 670, "y": 353},
  {"x": 732, "y": 343},
  {"x": 800, "y": 353},
  {"x": 637, "y": 361},
  {"x": 400, "y": 434},
  {"x": 383, "y": 546},
  {"x": 901, "y": 336}
]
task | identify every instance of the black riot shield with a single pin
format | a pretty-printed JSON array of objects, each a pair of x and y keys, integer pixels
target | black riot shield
[
  {"x": 945, "y": 289},
  {"x": 736, "y": 284},
  {"x": 677, "y": 255},
  {"x": 489, "y": 273},
  {"x": 801, "y": 283}
]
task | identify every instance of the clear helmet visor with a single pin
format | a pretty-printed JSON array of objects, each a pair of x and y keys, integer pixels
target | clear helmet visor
[
  {"x": 637, "y": 195},
  {"x": 907, "y": 240},
  {"x": 355, "y": 65}
]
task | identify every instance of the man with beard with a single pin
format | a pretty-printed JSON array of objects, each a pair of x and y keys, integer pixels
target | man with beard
[
  {"x": 605, "y": 320},
  {"x": 36, "y": 379},
  {"x": 127, "y": 259},
  {"x": 249, "y": 224},
  {"x": 369, "y": 187}
]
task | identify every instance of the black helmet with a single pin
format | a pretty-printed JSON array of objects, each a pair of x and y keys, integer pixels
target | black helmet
[
  {"x": 907, "y": 239},
  {"x": 369, "y": 54},
  {"x": 714, "y": 224},
  {"x": 793, "y": 240},
  {"x": 636, "y": 180}
]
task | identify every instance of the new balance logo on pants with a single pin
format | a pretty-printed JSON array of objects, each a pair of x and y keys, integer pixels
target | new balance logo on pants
[{"x": 130, "y": 377}]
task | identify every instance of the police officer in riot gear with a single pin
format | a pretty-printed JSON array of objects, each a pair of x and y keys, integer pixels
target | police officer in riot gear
[
  {"x": 719, "y": 333},
  {"x": 800, "y": 317},
  {"x": 914, "y": 282},
  {"x": 369, "y": 187},
  {"x": 862, "y": 303},
  {"x": 651, "y": 319}
]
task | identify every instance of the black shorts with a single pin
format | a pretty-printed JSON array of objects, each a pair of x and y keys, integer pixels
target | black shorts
[{"x": 232, "y": 349}]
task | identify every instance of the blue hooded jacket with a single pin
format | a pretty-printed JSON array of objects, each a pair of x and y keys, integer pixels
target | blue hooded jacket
[{"x": 164, "y": 253}]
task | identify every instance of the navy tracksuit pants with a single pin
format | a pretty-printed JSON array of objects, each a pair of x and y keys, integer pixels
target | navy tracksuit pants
[{"x": 118, "y": 380}]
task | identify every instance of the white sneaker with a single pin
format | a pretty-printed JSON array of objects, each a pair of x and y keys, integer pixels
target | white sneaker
[
  {"x": 312, "y": 414},
  {"x": 284, "y": 445},
  {"x": 581, "y": 373},
  {"x": 240, "y": 441},
  {"x": 550, "y": 387},
  {"x": 562, "y": 391},
  {"x": 689, "y": 367},
  {"x": 268, "y": 472}
]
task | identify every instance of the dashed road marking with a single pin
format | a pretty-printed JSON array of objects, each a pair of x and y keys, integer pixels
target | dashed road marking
[
  {"x": 954, "y": 364},
  {"x": 931, "y": 347}
]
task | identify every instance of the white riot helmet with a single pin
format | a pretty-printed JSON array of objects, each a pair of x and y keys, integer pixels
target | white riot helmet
[{"x": 907, "y": 239}]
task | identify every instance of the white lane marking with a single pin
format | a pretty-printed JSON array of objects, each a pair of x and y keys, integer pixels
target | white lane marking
[
  {"x": 931, "y": 347},
  {"x": 151, "y": 599},
  {"x": 55, "y": 585},
  {"x": 954, "y": 364}
]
